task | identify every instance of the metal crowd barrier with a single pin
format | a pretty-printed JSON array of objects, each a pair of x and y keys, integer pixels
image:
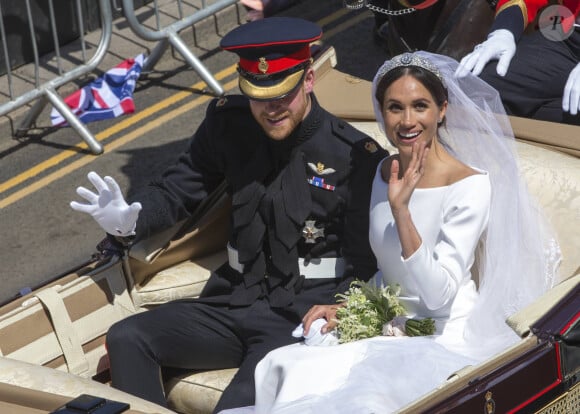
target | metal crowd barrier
[
  {"x": 43, "y": 93},
  {"x": 169, "y": 34}
]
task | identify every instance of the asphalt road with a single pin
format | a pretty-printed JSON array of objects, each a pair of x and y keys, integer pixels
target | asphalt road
[{"x": 42, "y": 237}]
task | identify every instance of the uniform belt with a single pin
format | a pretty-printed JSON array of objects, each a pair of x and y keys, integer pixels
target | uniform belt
[{"x": 317, "y": 268}]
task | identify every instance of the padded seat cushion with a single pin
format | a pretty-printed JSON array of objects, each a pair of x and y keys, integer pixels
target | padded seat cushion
[
  {"x": 185, "y": 280},
  {"x": 197, "y": 392}
]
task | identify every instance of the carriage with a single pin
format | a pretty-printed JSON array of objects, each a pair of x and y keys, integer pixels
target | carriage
[{"x": 52, "y": 339}]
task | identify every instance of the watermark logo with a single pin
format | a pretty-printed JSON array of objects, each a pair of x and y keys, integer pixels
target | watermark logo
[{"x": 556, "y": 23}]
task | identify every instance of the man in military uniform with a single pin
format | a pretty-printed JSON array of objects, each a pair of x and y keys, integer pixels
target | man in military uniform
[
  {"x": 300, "y": 182},
  {"x": 537, "y": 74}
]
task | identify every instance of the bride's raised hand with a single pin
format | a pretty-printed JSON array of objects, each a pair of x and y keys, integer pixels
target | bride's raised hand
[{"x": 401, "y": 186}]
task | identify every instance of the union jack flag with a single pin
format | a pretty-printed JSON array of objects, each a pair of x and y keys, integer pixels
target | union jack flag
[{"x": 106, "y": 97}]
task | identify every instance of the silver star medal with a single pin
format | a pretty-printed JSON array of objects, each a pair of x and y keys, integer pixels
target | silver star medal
[{"x": 310, "y": 232}]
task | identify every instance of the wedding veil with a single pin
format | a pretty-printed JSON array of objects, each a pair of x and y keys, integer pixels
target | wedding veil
[{"x": 518, "y": 255}]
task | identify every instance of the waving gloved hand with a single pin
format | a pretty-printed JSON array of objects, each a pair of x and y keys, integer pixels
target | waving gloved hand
[
  {"x": 571, "y": 98},
  {"x": 108, "y": 207},
  {"x": 500, "y": 44}
]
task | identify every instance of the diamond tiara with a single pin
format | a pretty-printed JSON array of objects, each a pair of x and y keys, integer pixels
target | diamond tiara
[{"x": 410, "y": 59}]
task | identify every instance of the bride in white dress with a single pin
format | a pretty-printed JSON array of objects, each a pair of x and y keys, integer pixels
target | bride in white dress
[{"x": 452, "y": 194}]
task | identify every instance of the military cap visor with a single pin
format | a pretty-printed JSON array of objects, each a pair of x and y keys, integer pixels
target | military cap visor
[{"x": 274, "y": 53}]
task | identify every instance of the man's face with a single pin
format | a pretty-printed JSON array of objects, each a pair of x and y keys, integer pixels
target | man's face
[{"x": 278, "y": 118}]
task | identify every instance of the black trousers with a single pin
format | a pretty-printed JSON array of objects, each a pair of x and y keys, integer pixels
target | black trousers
[
  {"x": 193, "y": 335},
  {"x": 534, "y": 84}
]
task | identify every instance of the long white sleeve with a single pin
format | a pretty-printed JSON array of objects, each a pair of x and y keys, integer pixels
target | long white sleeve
[
  {"x": 450, "y": 220},
  {"x": 438, "y": 270}
]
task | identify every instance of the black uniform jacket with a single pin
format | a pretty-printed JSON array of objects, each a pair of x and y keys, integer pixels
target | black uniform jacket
[{"x": 306, "y": 196}]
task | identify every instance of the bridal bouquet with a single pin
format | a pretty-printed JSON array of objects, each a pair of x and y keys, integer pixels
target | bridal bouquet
[{"x": 372, "y": 311}]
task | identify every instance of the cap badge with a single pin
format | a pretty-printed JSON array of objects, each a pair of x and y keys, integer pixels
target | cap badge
[
  {"x": 320, "y": 169},
  {"x": 310, "y": 232},
  {"x": 263, "y": 65},
  {"x": 221, "y": 102},
  {"x": 371, "y": 147}
]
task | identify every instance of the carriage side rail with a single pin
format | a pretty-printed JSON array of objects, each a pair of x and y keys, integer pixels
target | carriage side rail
[
  {"x": 43, "y": 93},
  {"x": 169, "y": 34}
]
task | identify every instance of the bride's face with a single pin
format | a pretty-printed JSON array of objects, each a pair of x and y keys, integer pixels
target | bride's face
[{"x": 410, "y": 113}]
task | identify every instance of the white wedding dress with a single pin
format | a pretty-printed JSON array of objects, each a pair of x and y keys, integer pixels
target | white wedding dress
[{"x": 381, "y": 375}]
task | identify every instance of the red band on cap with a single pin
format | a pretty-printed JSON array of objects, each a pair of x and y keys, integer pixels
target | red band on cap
[{"x": 268, "y": 66}]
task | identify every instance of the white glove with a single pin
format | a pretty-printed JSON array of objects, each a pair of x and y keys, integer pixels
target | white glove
[
  {"x": 500, "y": 44},
  {"x": 315, "y": 337},
  {"x": 571, "y": 98},
  {"x": 108, "y": 207}
]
